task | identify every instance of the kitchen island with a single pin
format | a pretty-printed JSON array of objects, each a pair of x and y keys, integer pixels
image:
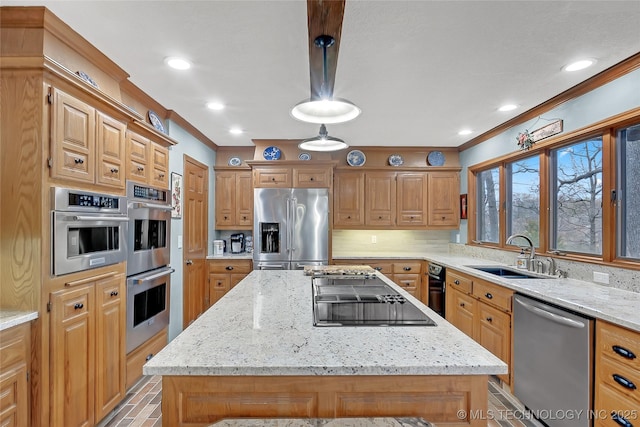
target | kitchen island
[{"x": 256, "y": 353}]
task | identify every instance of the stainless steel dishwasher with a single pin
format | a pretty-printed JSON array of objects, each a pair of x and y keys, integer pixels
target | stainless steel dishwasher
[{"x": 552, "y": 362}]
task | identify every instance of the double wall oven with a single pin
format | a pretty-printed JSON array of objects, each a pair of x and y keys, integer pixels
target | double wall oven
[{"x": 148, "y": 270}]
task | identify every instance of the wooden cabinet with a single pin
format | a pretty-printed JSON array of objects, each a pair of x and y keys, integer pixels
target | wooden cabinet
[
  {"x": 15, "y": 353},
  {"x": 86, "y": 145},
  {"x": 443, "y": 191},
  {"x": 87, "y": 350},
  {"x": 147, "y": 161},
  {"x": 617, "y": 367},
  {"x": 380, "y": 199},
  {"x": 411, "y": 199},
  {"x": 141, "y": 355},
  {"x": 481, "y": 310},
  {"x": 293, "y": 176},
  {"x": 272, "y": 177},
  {"x": 307, "y": 177},
  {"x": 224, "y": 274},
  {"x": 234, "y": 200},
  {"x": 348, "y": 200}
]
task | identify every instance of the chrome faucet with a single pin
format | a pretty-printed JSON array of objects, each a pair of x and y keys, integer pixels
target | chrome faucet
[
  {"x": 552, "y": 266},
  {"x": 532, "y": 249}
]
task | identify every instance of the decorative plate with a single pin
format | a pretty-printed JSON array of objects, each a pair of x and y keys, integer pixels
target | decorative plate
[
  {"x": 87, "y": 78},
  {"x": 235, "y": 161},
  {"x": 156, "y": 122},
  {"x": 356, "y": 158},
  {"x": 304, "y": 156},
  {"x": 271, "y": 153},
  {"x": 435, "y": 158},
  {"x": 396, "y": 160}
]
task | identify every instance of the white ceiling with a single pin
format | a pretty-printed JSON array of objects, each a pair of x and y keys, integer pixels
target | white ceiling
[{"x": 420, "y": 70}]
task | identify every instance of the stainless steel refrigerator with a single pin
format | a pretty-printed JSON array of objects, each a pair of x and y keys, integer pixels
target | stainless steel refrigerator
[{"x": 290, "y": 228}]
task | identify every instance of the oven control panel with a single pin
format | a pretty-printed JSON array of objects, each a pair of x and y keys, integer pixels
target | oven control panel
[
  {"x": 149, "y": 193},
  {"x": 93, "y": 201},
  {"x": 72, "y": 200}
]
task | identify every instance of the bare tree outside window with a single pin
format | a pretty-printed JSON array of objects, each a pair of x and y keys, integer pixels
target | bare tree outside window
[
  {"x": 576, "y": 197},
  {"x": 628, "y": 192},
  {"x": 523, "y": 198},
  {"x": 488, "y": 206}
]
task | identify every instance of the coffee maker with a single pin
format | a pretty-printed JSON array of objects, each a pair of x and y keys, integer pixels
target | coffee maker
[{"x": 237, "y": 243}]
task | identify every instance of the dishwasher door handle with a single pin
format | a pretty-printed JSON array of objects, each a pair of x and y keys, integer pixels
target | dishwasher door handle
[{"x": 551, "y": 316}]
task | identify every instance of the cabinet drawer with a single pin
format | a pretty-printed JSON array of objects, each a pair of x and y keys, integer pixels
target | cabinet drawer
[
  {"x": 619, "y": 377},
  {"x": 235, "y": 266},
  {"x": 272, "y": 177},
  {"x": 219, "y": 282},
  {"x": 407, "y": 267},
  {"x": 493, "y": 317},
  {"x": 622, "y": 345},
  {"x": 461, "y": 283},
  {"x": 311, "y": 178},
  {"x": 493, "y": 294},
  {"x": 385, "y": 268},
  {"x": 407, "y": 281},
  {"x": 14, "y": 345},
  {"x": 609, "y": 403},
  {"x": 138, "y": 357}
]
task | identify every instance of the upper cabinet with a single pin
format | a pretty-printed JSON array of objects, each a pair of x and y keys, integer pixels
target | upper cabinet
[
  {"x": 444, "y": 194},
  {"x": 86, "y": 145},
  {"x": 234, "y": 200},
  {"x": 147, "y": 161},
  {"x": 291, "y": 176},
  {"x": 348, "y": 199}
]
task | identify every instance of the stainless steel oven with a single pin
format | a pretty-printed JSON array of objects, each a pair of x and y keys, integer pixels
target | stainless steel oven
[
  {"x": 149, "y": 212},
  {"x": 147, "y": 305},
  {"x": 88, "y": 230}
]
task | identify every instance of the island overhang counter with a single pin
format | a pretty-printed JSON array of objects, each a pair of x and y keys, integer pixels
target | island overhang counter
[{"x": 256, "y": 353}]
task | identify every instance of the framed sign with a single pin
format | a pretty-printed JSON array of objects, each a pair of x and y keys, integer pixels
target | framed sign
[
  {"x": 176, "y": 195},
  {"x": 463, "y": 206}
]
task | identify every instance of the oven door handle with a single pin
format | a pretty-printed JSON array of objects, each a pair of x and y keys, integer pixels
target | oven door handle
[
  {"x": 139, "y": 205},
  {"x": 100, "y": 218},
  {"x": 164, "y": 272}
]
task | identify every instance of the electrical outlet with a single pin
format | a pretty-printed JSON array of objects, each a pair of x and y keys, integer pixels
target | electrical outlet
[
  {"x": 374, "y": 239},
  {"x": 601, "y": 277}
]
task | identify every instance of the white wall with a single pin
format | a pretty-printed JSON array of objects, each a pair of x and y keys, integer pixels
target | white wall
[{"x": 192, "y": 147}]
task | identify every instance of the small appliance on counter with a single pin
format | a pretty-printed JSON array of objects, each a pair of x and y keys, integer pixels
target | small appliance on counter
[
  {"x": 237, "y": 243},
  {"x": 218, "y": 247}
]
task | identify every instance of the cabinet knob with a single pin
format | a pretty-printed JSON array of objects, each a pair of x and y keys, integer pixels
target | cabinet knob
[
  {"x": 78, "y": 306},
  {"x": 489, "y": 319},
  {"x": 443, "y": 218},
  {"x": 488, "y": 295},
  {"x": 311, "y": 179},
  {"x": 406, "y": 268},
  {"x": 411, "y": 218},
  {"x": 244, "y": 218},
  {"x": 349, "y": 217},
  {"x": 140, "y": 168},
  {"x": 273, "y": 178},
  {"x": 149, "y": 356},
  {"x": 461, "y": 304},
  {"x": 457, "y": 282},
  {"x": 226, "y": 217},
  {"x": 161, "y": 175},
  {"x": 78, "y": 161},
  {"x": 380, "y": 217},
  {"x": 114, "y": 293},
  {"x": 377, "y": 268},
  {"x": 114, "y": 170},
  {"x": 229, "y": 267}
]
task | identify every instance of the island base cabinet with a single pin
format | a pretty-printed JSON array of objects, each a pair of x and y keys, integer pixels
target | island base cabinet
[
  {"x": 15, "y": 349},
  {"x": 202, "y": 400}
]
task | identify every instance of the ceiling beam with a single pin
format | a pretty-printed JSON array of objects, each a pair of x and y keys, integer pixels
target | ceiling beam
[{"x": 324, "y": 18}]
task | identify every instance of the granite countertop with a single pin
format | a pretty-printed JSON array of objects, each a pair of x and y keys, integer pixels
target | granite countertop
[
  {"x": 227, "y": 255},
  {"x": 601, "y": 302},
  {"x": 264, "y": 326},
  {"x": 324, "y": 422},
  {"x": 10, "y": 318}
]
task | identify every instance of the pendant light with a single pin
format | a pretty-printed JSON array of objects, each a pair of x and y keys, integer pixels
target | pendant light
[
  {"x": 322, "y": 142},
  {"x": 326, "y": 109}
]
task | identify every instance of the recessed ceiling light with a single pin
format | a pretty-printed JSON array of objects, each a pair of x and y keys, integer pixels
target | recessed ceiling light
[
  {"x": 465, "y": 132},
  {"x": 508, "y": 107},
  {"x": 236, "y": 131},
  {"x": 580, "y": 65},
  {"x": 177, "y": 63},
  {"x": 217, "y": 106}
]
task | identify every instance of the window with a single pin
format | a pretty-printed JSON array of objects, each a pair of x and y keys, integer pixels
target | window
[
  {"x": 628, "y": 194},
  {"x": 523, "y": 198},
  {"x": 576, "y": 197},
  {"x": 488, "y": 206}
]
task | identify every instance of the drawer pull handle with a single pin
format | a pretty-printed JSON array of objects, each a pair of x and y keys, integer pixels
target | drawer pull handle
[
  {"x": 620, "y": 420},
  {"x": 140, "y": 168},
  {"x": 229, "y": 267},
  {"x": 114, "y": 293},
  {"x": 624, "y": 382},
  {"x": 161, "y": 175},
  {"x": 406, "y": 268},
  {"x": 78, "y": 306},
  {"x": 78, "y": 161},
  {"x": 489, "y": 319},
  {"x": 461, "y": 304},
  {"x": 624, "y": 352},
  {"x": 488, "y": 295},
  {"x": 149, "y": 357},
  {"x": 114, "y": 170},
  {"x": 457, "y": 282},
  {"x": 377, "y": 268}
]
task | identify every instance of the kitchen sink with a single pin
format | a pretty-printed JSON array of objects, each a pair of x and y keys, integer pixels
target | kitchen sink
[{"x": 509, "y": 272}]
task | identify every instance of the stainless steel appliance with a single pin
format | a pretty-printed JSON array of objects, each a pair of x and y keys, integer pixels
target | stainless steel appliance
[
  {"x": 88, "y": 230},
  {"x": 437, "y": 288},
  {"x": 149, "y": 228},
  {"x": 147, "y": 305},
  {"x": 237, "y": 243},
  {"x": 290, "y": 228},
  {"x": 362, "y": 301},
  {"x": 552, "y": 360}
]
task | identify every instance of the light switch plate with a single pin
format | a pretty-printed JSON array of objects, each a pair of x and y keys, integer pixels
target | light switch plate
[
  {"x": 601, "y": 277},
  {"x": 180, "y": 242}
]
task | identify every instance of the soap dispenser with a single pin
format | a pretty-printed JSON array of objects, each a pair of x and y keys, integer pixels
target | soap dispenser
[{"x": 521, "y": 260}]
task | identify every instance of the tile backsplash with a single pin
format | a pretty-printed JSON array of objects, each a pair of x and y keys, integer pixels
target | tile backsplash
[{"x": 349, "y": 242}]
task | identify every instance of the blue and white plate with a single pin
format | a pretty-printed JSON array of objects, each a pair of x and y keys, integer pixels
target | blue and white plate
[
  {"x": 396, "y": 160},
  {"x": 87, "y": 78},
  {"x": 435, "y": 158},
  {"x": 235, "y": 161},
  {"x": 156, "y": 121},
  {"x": 304, "y": 156},
  {"x": 271, "y": 153},
  {"x": 356, "y": 158}
]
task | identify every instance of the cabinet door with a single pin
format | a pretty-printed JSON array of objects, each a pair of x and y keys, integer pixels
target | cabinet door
[
  {"x": 15, "y": 344},
  {"x": 72, "y": 357},
  {"x": 268, "y": 177},
  {"x": 194, "y": 292},
  {"x": 460, "y": 310},
  {"x": 160, "y": 166},
  {"x": 110, "y": 344},
  {"x": 380, "y": 199},
  {"x": 409, "y": 282},
  {"x": 137, "y": 157},
  {"x": 493, "y": 332},
  {"x": 219, "y": 284},
  {"x": 348, "y": 200},
  {"x": 225, "y": 199},
  {"x": 444, "y": 199},
  {"x": 110, "y": 151},
  {"x": 73, "y": 136},
  {"x": 412, "y": 199},
  {"x": 305, "y": 177},
  {"x": 244, "y": 200}
]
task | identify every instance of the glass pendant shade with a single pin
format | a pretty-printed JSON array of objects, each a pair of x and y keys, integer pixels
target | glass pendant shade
[
  {"x": 322, "y": 142},
  {"x": 328, "y": 111}
]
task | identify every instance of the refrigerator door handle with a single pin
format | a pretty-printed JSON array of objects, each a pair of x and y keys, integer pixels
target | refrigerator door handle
[
  {"x": 288, "y": 226},
  {"x": 292, "y": 228}
]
